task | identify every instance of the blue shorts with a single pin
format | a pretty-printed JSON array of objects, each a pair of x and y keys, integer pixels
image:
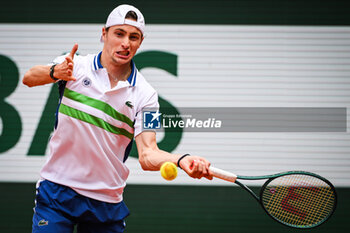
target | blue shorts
[{"x": 59, "y": 208}]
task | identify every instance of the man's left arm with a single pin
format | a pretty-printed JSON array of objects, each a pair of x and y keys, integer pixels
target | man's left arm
[{"x": 151, "y": 157}]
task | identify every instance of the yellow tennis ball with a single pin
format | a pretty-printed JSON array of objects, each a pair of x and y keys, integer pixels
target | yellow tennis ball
[{"x": 168, "y": 171}]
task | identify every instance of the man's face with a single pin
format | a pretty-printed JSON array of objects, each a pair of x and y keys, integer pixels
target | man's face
[{"x": 121, "y": 43}]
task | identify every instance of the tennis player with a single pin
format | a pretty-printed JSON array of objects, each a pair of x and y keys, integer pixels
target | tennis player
[{"x": 102, "y": 97}]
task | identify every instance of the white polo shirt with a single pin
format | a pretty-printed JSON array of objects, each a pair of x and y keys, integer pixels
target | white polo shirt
[{"x": 96, "y": 125}]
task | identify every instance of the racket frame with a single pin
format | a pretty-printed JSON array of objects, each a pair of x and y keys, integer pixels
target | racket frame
[{"x": 233, "y": 178}]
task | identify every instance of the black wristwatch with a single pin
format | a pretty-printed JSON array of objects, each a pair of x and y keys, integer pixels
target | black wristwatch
[{"x": 52, "y": 69}]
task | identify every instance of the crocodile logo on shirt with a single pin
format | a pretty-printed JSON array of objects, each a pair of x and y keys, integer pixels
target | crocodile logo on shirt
[
  {"x": 129, "y": 104},
  {"x": 43, "y": 222}
]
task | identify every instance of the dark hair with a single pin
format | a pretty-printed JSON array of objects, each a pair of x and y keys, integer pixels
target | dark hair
[{"x": 131, "y": 15}]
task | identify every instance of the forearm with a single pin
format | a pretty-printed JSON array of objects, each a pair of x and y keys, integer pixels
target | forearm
[
  {"x": 41, "y": 75},
  {"x": 194, "y": 166},
  {"x": 37, "y": 75},
  {"x": 152, "y": 159}
]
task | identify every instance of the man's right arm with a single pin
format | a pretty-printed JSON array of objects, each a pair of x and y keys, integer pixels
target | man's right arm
[
  {"x": 40, "y": 74},
  {"x": 37, "y": 75}
]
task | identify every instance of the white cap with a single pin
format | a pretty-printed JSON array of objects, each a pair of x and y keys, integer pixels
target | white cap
[{"x": 117, "y": 17}]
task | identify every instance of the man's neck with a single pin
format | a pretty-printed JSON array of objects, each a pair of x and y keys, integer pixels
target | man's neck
[{"x": 115, "y": 71}]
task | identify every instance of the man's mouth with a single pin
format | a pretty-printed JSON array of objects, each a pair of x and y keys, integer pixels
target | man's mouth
[{"x": 123, "y": 53}]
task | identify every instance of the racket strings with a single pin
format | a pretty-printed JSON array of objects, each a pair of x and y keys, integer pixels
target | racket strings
[{"x": 298, "y": 200}]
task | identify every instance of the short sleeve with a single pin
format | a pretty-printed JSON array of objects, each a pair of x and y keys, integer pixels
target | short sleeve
[{"x": 153, "y": 104}]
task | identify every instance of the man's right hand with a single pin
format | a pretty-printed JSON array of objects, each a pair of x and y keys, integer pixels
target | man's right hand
[{"x": 64, "y": 71}]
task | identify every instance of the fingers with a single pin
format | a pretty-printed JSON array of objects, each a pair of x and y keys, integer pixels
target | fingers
[
  {"x": 198, "y": 167},
  {"x": 201, "y": 169},
  {"x": 64, "y": 70},
  {"x": 73, "y": 51},
  {"x": 70, "y": 63},
  {"x": 69, "y": 69}
]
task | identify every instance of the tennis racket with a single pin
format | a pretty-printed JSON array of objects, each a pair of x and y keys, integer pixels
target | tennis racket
[{"x": 297, "y": 199}]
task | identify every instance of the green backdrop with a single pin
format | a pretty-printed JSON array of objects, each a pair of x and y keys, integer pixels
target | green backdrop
[{"x": 174, "y": 209}]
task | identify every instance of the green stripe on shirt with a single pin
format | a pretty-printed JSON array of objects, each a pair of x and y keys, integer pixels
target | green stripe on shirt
[
  {"x": 98, "y": 104},
  {"x": 83, "y": 116}
]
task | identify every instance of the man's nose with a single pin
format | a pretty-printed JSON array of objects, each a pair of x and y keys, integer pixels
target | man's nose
[{"x": 126, "y": 43}]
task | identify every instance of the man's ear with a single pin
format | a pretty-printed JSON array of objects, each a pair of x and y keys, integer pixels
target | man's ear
[
  {"x": 104, "y": 34},
  {"x": 141, "y": 40}
]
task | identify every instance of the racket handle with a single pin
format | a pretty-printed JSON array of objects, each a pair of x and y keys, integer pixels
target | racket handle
[{"x": 224, "y": 175}]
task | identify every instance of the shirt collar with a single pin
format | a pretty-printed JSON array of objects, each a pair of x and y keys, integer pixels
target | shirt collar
[
  {"x": 131, "y": 79},
  {"x": 97, "y": 61}
]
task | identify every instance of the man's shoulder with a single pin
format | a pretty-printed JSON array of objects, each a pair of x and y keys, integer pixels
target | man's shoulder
[
  {"x": 89, "y": 58},
  {"x": 77, "y": 58},
  {"x": 143, "y": 85}
]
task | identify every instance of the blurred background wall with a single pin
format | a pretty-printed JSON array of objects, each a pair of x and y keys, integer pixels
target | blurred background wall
[{"x": 242, "y": 53}]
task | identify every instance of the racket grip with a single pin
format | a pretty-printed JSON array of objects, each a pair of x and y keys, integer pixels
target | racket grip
[{"x": 224, "y": 175}]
